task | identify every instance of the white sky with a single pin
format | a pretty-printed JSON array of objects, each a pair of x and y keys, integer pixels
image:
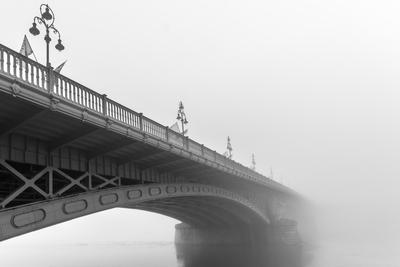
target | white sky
[{"x": 310, "y": 87}]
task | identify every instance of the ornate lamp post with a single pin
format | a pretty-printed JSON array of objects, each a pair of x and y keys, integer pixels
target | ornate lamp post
[
  {"x": 253, "y": 162},
  {"x": 229, "y": 148},
  {"x": 182, "y": 117},
  {"x": 47, "y": 18}
]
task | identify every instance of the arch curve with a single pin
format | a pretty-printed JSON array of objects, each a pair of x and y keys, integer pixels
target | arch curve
[{"x": 196, "y": 204}]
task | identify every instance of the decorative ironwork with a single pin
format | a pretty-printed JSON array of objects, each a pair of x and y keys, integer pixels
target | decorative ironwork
[
  {"x": 229, "y": 148},
  {"x": 47, "y": 18},
  {"x": 26, "y": 184},
  {"x": 182, "y": 117},
  {"x": 253, "y": 162}
]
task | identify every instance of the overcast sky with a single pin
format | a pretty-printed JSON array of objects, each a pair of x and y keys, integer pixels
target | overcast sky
[{"x": 310, "y": 87}]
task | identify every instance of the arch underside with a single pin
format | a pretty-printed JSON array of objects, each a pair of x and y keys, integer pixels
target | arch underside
[
  {"x": 197, "y": 205},
  {"x": 201, "y": 211}
]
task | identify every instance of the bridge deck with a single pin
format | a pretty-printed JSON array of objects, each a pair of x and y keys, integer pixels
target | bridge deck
[{"x": 74, "y": 118}]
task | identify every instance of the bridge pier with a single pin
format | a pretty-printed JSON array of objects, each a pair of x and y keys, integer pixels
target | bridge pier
[
  {"x": 281, "y": 233},
  {"x": 244, "y": 235}
]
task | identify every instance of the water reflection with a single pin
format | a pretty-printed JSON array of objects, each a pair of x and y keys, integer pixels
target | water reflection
[
  {"x": 240, "y": 256},
  {"x": 147, "y": 255}
]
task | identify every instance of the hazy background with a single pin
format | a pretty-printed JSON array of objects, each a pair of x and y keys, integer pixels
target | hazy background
[{"x": 310, "y": 87}]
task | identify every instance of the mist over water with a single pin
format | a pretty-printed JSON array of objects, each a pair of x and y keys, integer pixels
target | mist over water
[
  {"x": 310, "y": 87},
  {"x": 149, "y": 255},
  {"x": 353, "y": 235},
  {"x": 356, "y": 236}
]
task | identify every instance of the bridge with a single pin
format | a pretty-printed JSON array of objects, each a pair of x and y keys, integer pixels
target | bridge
[{"x": 67, "y": 151}]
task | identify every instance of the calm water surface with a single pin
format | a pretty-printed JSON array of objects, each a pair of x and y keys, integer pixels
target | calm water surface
[
  {"x": 332, "y": 254},
  {"x": 143, "y": 255}
]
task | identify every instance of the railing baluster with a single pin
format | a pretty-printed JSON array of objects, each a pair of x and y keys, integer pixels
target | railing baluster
[
  {"x": 61, "y": 88},
  {"x": 37, "y": 76},
  {"x": 43, "y": 78},
  {"x": 32, "y": 74},
  {"x": 92, "y": 101},
  {"x": 14, "y": 66},
  {"x": 104, "y": 104},
  {"x": 96, "y": 104},
  {"x": 141, "y": 121},
  {"x": 1, "y": 59},
  {"x": 57, "y": 82},
  {"x": 20, "y": 63},
  {"x": 66, "y": 89},
  {"x": 27, "y": 65},
  {"x": 8, "y": 63},
  {"x": 69, "y": 91},
  {"x": 80, "y": 95},
  {"x": 85, "y": 93},
  {"x": 74, "y": 93}
]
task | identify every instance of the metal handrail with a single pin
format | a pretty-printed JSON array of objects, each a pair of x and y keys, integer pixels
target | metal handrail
[{"x": 18, "y": 66}]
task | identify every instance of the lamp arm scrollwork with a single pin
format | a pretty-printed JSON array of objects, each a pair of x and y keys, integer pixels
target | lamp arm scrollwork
[
  {"x": 55, "y": 31},
  {"x": 53, "y": 17}
]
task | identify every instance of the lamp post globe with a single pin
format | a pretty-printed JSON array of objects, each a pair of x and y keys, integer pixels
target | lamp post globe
[
  {"x": 46, "y": 19},
  {"x": 34, "y": 30},
  {"x": 182, "y": 117},
  {"x": 59, "y": 46},
  {"x": 46, "y": 15}
]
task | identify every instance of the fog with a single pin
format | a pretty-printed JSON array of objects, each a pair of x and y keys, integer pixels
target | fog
[{"x": 310, "y": 87}]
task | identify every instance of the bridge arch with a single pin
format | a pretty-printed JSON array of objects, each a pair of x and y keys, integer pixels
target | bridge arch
[{"x": 197, "y": 205}]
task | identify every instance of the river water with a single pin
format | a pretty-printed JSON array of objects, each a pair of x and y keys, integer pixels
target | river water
[
  {"x": 141, "y": 255},
  {"x": 166, "y": 254}
]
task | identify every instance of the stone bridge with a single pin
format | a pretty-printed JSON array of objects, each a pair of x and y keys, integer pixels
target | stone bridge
[{"x": 67, "y": 151}]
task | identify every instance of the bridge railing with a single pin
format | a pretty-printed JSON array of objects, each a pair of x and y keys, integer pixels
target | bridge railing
[
  {"x": 45, "y": 79},
  {"x": 75, "y": 92},
  {"x": 23, "y": 68},
  {"x": 120, "y": 113}
]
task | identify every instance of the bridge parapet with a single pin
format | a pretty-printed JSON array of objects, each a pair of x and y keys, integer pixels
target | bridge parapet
[
  {"x": 68, "y": 151},
  {"x": 36, "y": 83}
]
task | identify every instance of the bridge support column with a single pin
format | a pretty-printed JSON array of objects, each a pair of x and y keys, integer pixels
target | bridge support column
[
  {"x": 188, "y": 235},
  {"x": 282, "y": 233}
]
